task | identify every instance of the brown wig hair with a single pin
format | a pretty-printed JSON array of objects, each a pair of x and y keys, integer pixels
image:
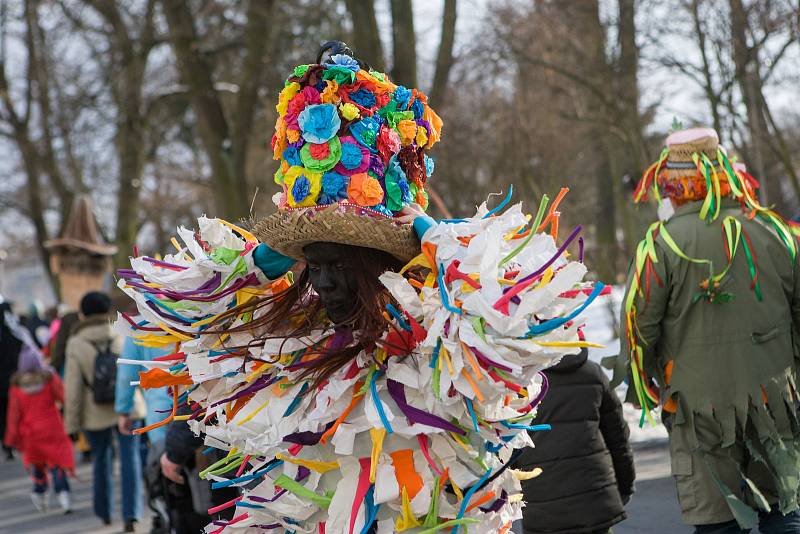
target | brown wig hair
[{"x": 298, "y": 312}]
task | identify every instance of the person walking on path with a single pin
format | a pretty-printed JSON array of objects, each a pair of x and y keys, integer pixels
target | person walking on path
[
  {"x": 158, "y": 403},
  {"x": 35, "y": 427},
  {"x": 88, "y": 411},
  {"x": 586, "y": 460},
  {"x": 711, "y": 318}
]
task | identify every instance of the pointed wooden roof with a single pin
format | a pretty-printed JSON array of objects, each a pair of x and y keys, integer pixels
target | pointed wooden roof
[{"x": 81, "y": 231}]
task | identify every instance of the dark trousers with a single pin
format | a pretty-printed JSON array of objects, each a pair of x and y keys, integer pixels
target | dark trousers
[
  {"x": 771, "y": 523},
  {"x": 40, "y": 482},
  {"x": 102, "y": 444}
]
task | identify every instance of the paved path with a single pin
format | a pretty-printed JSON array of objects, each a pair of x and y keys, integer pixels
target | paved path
[
  {"x": 17, "y": 514},
  {"x": 653, "y": 509}
]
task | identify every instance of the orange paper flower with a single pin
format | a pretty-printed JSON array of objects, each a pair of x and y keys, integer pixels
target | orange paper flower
[{"x": 365, "y": 190}]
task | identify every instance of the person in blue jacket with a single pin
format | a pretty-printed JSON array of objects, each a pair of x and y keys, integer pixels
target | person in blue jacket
[{"x": 159, "y": 404}]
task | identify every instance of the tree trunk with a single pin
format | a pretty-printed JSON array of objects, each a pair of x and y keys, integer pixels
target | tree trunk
[
  {"x": 212, "y": 126},
  {"x": 747, "y": 75},
  {"x": 404, "y": 47},
  {"x": 257, "y": 37},
  {"x": 366, "y": 36},
  {"x": 444, "y": 59}
]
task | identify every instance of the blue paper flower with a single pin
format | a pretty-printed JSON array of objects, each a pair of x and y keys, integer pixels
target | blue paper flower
[
  {"x": 319, "y": 122},
  {"x": 365, "y": 132},
  {"x": 343, "y": 60},
  {"x": 402, "y": 96},
  {"x": 301, "y": 189},
  {"x": 380, "y": 208},
  {"x": 351, "y": 156},
  {"x": 363, "y": 97},
  {"x": 429, "y": 165},
  {"x": 418, "y": 108},
  {"x": 334, "y": 188},
  {"x": 292, "y": 156}
]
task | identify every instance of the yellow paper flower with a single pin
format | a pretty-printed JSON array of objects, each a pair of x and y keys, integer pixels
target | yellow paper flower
[
  {"x": 302, "y": 187},
  {"x": 407, "y": 130},
  {"x": 293, "y": 135},
  {"x": 287, "y": 94},
  {"x": 330, "y": 95},
  {"x": 422, "y": 136},
  {"x": 364, "y": 190},
  {"x": 349, "y": 111}
]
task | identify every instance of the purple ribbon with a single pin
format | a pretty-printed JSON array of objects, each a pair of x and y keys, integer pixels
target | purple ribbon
[{"x": 415, "y": 415}]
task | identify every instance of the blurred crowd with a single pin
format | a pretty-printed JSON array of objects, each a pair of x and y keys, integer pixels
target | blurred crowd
[{"x": 63, "y": 398}]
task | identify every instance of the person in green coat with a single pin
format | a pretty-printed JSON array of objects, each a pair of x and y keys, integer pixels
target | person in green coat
[{"x": 710, "y": 325}]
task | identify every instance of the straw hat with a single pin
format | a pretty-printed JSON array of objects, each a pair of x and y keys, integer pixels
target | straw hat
[
  {"x": 288, "y": 231},
  {"x": 352, "y": 150}
]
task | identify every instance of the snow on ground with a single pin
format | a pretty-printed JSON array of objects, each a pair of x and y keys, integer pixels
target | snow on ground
[{"x": 601, "y": 319}]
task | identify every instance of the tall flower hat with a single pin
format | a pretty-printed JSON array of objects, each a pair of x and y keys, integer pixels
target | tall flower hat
[{"x": 352, "y": 150}]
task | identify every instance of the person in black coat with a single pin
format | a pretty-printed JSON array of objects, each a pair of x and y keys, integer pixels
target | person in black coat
[
  {"x": 187, "y": 496},
  {"x": 586, "y": 460},
  {"x": 10, "y": 346}
]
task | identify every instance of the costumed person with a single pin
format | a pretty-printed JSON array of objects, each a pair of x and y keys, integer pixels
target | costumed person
[
  {"x": 586, "y": 459},
  {"x": 711, "y": 316},
  {"x": 35, "y": 427},
  {"x": 90, "y": 379},
  {"x": 383, "y": 388}
]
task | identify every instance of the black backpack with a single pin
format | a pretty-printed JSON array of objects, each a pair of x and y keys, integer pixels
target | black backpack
[{"x": 104, "y": 384}]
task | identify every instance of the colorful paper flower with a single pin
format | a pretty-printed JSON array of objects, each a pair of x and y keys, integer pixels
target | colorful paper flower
[
  {"x": 407, "y": 130},
  {"x": 417, "y": 108},
  {"x": 376, "y": 165},
  {"x": 319, "y": 122},
  {"x": 349, "y": 111},
  {"x": 302, "y": 187},
  {"x": 364, "y": 190},
  {"x": 363, "y": 97},
  {"x": 311, "y": 95},
  {"x": 388, "y": 143},
  {"x": 403, "y": 97},
  {"x": 286, "y": 95},
  {"x": 422, "y": 137},
  {"x": 380, "y": 208},
  {"x": 398, "y": 192},
  {"x": 330, "y": 95},
  {"x": 429, "y": 165},
  {"x": 293, "y": 135},
  {"x": 334, "y": 188},
  {"x": 321, "y": 157},
  {"x": 300, "y": 70},
  {"x": 342, "y": 75},
  {"x": 355, "y": 158},
  {"x": 292, "y": 156},
  {"x": 365, "y": 132},
  {"x": 279, "y": 139},
  {"x": 343, "y": 60}
]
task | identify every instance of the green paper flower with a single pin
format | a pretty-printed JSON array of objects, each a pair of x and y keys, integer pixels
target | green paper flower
[
  {"x": 300, "y": 70},
  {"x": 326, "y": 163},
  {"x": 342, "y": 75}
]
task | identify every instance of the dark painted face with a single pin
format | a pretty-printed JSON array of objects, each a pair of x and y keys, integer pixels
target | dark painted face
[{"x": 330, "y": 271}]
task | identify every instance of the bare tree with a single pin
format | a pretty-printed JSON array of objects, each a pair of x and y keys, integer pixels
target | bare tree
[{"x": 224, "y": 137}]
